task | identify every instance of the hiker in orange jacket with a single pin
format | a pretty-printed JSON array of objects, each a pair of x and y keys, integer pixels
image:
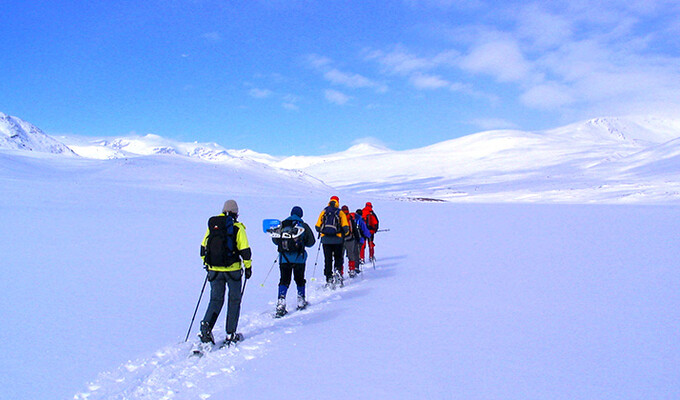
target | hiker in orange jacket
[{"x": 373, "y": 225}]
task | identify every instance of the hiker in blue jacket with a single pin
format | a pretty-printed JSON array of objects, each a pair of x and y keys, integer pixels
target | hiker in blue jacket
[{"x": 292, "y": 259}]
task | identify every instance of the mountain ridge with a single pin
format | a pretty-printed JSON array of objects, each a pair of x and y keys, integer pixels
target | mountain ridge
[{"x": 576, "y": 162}]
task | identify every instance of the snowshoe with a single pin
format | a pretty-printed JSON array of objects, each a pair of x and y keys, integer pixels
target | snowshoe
[
  {"x": 199, "y": 349},
  {"x": 232, "y": 338},
  {"x": 338, "y": 279},
  {"x": 302, "y": 303},
  {"x": 352, "y": 273},
  {"x": 280, "y": 308}
]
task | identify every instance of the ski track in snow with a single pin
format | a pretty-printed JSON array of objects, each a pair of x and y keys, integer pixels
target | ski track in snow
[{"x": 172, "y": 372}]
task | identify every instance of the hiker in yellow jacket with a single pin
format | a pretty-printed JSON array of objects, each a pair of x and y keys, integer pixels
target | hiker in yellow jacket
[
  {"x": 332, "y": 225},
  {"x": 224, "y": 250}
]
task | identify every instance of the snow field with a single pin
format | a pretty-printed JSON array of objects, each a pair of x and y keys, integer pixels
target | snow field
[{"x": 478, "y": 301}]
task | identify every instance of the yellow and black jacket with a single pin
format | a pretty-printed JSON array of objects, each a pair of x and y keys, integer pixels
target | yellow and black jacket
[{"x": 242, "y": 247}]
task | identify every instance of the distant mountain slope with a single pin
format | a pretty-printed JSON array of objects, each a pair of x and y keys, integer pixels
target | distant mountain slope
[
  {"x": 17, "y": 134},
  {"x": 489, "y": 165},
  {"x": 108, "y": 148},
  {"x": 358, "y": 150},
  {"x": 601, "y": 160}
]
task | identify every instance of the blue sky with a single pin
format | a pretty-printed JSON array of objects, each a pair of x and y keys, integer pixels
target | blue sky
[{"x": 313, "y": 77}]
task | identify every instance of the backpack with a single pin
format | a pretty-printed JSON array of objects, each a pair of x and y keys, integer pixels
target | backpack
[
  {"x": 291, "y": 239},
  {"x": 353, "y": 228},
  {"x": 330, "y": 222},
  {"x": 220, "y": 248},
  {"x": 372, "y": 221}
]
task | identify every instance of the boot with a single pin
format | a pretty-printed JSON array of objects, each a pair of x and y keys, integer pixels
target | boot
[
  {"x": 281, "y": 307},
  {"x": 232, "y": 338},
  {"x": 301, "y": 303},
  {"x": 206, "y": 333}
]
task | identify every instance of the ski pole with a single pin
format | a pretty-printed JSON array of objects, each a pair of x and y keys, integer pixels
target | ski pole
[
  {"x": 243, "y": 290},
  {"x": 196, "y": 310},
  {"x": 318, "y": 249},
  {"x": 383, "y": 230},
  {"x": 270, "y": 271}
]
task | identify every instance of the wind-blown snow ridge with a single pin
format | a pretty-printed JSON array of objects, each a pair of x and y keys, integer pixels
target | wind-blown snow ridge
[{"x": 171, "y": 372}]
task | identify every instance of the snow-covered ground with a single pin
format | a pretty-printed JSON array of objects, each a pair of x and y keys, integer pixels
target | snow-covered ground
[{"x": 101, "y": 275}]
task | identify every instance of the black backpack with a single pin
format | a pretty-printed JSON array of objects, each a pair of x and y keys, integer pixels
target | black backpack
[
  {"x": 353, "y": 229},
  {"x": 330, "y": 222},
  {"x": 291, "y": 237},
  {"x": 220, "y": 249}
]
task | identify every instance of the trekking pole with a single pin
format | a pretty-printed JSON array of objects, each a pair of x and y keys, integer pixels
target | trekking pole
[
  {"x": 270, "y": 271},
  {"x": 196, "y": 310},
  {"x": 243, "y": 290},
  {"x": 318, "y": 249}
]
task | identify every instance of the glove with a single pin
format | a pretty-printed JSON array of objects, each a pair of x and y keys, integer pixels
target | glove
[{"x": 249, "y": 272}]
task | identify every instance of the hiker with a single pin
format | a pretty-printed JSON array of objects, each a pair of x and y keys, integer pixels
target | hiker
[
  {"x": 224, "y": 251},
  {"x": 332, "y": 225},
  {"x": 373, "y": 225},
  {"x": 354, "y": 240},
  {"x": 296, "y": 235}
]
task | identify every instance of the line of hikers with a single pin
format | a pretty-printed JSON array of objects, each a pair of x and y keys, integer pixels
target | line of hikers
[{"x": 226, "y": 255}]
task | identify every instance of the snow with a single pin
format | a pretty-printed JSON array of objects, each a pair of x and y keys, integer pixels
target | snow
[
  {"x": 551, "y": 272},
  {"x": 477, "y": 301},
  {"x": 17, "y": 134}
]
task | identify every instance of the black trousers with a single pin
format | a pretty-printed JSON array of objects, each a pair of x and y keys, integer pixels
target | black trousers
[
  {"x": 332, "y": 254},
  {"x": 219, "y": 281},
  {"x": 288, "y": 269}
]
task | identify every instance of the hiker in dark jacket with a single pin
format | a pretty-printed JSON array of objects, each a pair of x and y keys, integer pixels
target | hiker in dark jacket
[
  {"x": 358, "y": 233},
  {"x": 332, "y": 239},
  {"x": 293, "y": 262}
]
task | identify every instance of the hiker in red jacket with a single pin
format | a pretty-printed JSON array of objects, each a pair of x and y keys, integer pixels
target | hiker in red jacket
[{"x": 373, "y": 225}]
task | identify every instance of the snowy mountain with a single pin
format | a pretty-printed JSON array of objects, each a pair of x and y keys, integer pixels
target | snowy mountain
[
  {"x": 358, "y": 150},
  {"x": 572, "y": 163},
  {"x": 150, "y": 144},
  {"x": 17, "y": 134},
  {"x": 101, "y": 273},
  {"x": 599, "y": 160},
  {"x": 101, "y": 276}
]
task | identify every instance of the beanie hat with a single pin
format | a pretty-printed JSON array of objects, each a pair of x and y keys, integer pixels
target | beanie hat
[
  {"x": 368, "y": 204},
  {"x": 345, "y": 209},
  {"x": 359, "y": 211},
  {"x": 336, "y": 200},
  {"x": 230, "y": 206},
  {"x": 296, "y": 211}
]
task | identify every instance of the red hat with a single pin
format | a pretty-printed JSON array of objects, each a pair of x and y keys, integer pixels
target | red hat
[
  {"x": 368, "y": 204},
  {"x": 336, "y": 199}
]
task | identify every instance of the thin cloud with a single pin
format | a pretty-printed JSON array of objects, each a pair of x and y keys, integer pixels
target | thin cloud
[
  {"x": 399, "y": 61},
  {"x": 429, "y": 82},
  {"x": 290, "y": 106},
  {"x": 213, "y": 36},
  {"x": 502, "y": 59},
  {"x": 350, "y": 80},
  {"x": 492, "y": 123},
  {"x": 336, "y": 97},
  {"x": 341, "y": 78},
  {"x": 260, "y": 93}
]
